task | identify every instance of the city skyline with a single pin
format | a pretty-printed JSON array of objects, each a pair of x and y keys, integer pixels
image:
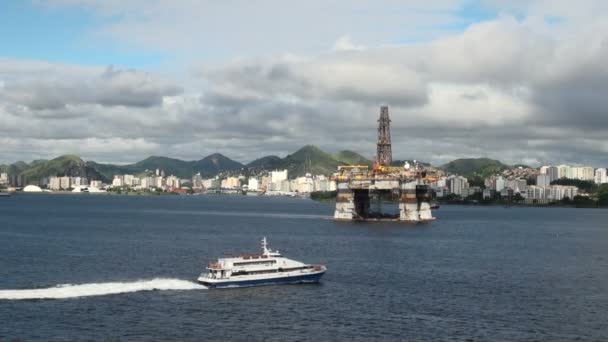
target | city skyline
[{"x": 516, "y": 81}]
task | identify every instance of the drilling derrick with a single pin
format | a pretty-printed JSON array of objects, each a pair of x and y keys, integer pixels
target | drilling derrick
[{"x": 384, "y": 154}]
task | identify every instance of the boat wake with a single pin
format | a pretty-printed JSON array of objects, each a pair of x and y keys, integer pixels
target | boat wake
[{"x": 99, "y": 289}]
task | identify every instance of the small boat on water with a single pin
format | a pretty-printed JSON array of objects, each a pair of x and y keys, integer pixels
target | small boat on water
[
  {"x": 5, "y": 194},
  {"x": 268, "y": 268}
]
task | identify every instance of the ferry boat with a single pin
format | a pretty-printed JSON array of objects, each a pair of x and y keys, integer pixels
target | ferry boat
[{"x": 267, "y": 268}]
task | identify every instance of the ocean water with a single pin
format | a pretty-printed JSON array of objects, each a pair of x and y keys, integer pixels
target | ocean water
[{"x": 86, "y": 267}]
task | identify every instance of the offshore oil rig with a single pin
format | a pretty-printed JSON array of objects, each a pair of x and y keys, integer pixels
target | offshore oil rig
[{"x": 359, "y": 187}]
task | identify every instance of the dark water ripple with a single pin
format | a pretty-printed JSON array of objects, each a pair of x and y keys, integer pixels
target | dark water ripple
[{"x": 475, "y": 274}]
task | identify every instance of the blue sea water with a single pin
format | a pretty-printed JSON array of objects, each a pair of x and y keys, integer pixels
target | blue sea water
[{"x": 87, "y": 267}]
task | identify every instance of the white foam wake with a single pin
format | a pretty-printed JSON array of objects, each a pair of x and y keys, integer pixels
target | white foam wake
[{"x": 99, "y": 289}]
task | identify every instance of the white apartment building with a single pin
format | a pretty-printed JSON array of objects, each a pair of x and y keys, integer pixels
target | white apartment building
[
  {"x": 96, "y": 184},
  {"x": 54, "y": 183},
  {"x": 500, "y": 184},
  {"x": 173, "y": 182},
  {"x": 600, "y": 176},
  {"x": 127, "y": 180},
  {"x": 457, "y": 185},
  {"x": 118, "y": 181},
  {"x": 231, "y": 183},
  {"x": 211, "y": 183},
  {"x": 65, "y": 182},
  {"x": 253, "y": 184},
  {"x": 304, "y": 185},
  {"x": 160, "y": 182},
  {"x": 276, "y": 179},
  {"x": 552, "y": 193},
  {"x": 197, "y": 181},
  {"x": 3, "y": 178}
]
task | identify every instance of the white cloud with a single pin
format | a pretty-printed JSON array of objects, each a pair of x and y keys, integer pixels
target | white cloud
[{"x": 513, "y": 89}]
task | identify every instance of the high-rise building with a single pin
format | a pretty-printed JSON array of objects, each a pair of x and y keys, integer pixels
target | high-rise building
[
  {"x": 54, "y": 183},
  {"x": 553, "y": 172},
  {"x": 253, "y": 184},
  {"x": 65, "y": 182},
  {"x": 543, "y": 180},
  {"x": 600, "y": 176},
  {"x": 457, "y": 184},
  {"x": 563, "y": 171},
  {"x": 276, "y": 178},
  {"x": 118, "y": 181},
  {"x": 197, "y": 181},
  {"x": 3, "y": 178},
  {"x": 500, "y": 184},
  {"x": 173, "y": 182}
]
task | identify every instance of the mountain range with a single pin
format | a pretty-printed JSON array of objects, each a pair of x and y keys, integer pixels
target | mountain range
[{"x": 308, "y": 159}]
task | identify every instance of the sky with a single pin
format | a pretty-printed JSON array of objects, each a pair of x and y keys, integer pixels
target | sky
[{"x": 120, "y": 80}]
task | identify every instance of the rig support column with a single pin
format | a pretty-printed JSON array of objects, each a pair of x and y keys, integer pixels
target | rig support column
[
  {"x": 408, "y": 207},
  {"x": 345, "y": 202}
]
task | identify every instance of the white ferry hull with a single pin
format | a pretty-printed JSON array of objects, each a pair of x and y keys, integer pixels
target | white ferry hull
[{"x": 311, "y": 277}]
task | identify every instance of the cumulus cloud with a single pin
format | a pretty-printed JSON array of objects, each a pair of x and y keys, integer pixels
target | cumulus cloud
[
  {"x": 524, "y": 88},
  {"x": 61, "y": 88}
]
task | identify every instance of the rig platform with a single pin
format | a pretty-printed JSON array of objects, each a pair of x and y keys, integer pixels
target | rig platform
[{"x": 358, "y": 187}]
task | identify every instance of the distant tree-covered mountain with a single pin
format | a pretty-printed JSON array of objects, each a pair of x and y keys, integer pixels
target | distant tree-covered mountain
[
  {"x": 308, "y": 159},
  {"x": 67, "y": 165},
  {"x": 352, "y": 158},
  {"x": 475, "y": 167}
]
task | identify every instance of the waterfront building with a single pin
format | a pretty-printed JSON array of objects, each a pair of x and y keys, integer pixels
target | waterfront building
[
  {"x": 127, "y": 180},
  {"x": 96, "y": 184},
  {"x": 303, "y": 184},
  {"x": 499, "y": 184},
  {"x": 600, "y": 176},
  {"x": 537, "y": 192},
  {"x": 79, "y": 181},
  {"x": 54, "y": 183},
  {"x": 276, "y": 179},
  {"x": 197, "y": 181},
  {"x": 333, "y": 185},
  {"x": 457, "y": 185},
  {"x": 3, "y": 178},
  {"x": 488, "y": 193},
  {"x": 253, "y": 184},
  {"x": 284, "y": 186},
  {"x": 559, "y": 192},
  {"x": 551, "y": 193},
  {"x": 160, "y": 182},
  {"x": 212, "y": 183},
  {"x": 65, "y": 182},
  {"x": 231, "y": 183},
  {"x": 173, "y": 182},
  {"x": 118, "y": 181}
]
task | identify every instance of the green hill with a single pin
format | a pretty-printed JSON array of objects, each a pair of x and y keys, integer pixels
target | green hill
[
  {"x": 474, "y": 167},
  {"x": 310, "y": 159},
  {"x": 216, "y": 163},
  {"x": 267, "y": 163},
  {"x": 171, "y": 166},
  {"x": 67, "y": 165},
  {"x": 208, "y": 166},
  {"x": 352, "y": 158}
]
